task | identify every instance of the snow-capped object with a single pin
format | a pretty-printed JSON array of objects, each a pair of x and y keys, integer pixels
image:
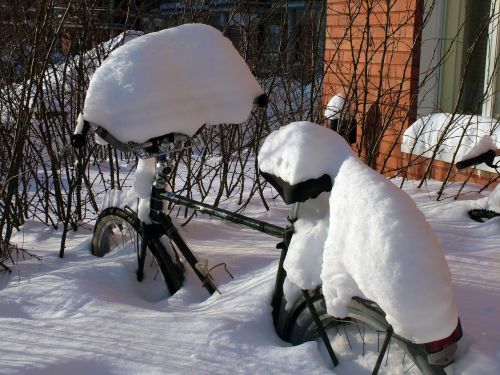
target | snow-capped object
[
  {"x": 174, "y": 80},
  {"x": 303, "y": 150},
  {"x": 143, "y": 182},
  {"x": 295, "y": 153},
  {"x": 493, "y": 202},
  {"x": 305, "y": 252},
  {"x": 484, "y": 145},
  {"x": 144, "y": 177},
  {"x": 438, "y": 130},
  {"x": 335, "y": 109},
  {"x": 380, "y": 247}
]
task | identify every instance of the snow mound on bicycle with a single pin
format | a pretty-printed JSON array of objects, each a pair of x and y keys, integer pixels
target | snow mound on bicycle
[
  {"x": 174, "y": 80},
  {"x": 381, "y": 247},
  {"x": 303, "y": 150},
  {"x": 371, "y": 242},
  {"x": 295, "y": 153}
]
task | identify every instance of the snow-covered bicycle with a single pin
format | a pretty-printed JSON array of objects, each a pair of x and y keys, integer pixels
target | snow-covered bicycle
[
  {"x": 160, "y": 248},
  {"x": 163, "y": 257}
]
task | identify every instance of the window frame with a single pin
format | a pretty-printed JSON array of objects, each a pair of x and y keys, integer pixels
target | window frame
[{"x": 437, "y": 94}]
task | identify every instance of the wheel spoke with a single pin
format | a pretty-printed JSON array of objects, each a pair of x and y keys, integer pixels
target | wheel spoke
[
  {"x": 388, "y": 350},
  {"x": 365, "y": 339},
  {"x": 347, "y": 337}
]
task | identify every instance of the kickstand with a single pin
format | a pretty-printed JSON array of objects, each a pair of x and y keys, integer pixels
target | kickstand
[{"x": 319, "y": 326}]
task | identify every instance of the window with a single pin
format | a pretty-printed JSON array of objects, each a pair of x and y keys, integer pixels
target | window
[{"x": 455, "y": 28}]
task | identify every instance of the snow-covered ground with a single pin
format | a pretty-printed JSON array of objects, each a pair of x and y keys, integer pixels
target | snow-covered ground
[{"x": 86, "y": 315}]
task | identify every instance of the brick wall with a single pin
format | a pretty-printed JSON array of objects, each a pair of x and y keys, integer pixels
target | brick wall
[{"x": 372, "y": 56}]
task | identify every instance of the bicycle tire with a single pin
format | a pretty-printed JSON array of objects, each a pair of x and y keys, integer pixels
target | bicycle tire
[
  {"x": 297, "y": 326},
  {"x": 116, "y": 229}
]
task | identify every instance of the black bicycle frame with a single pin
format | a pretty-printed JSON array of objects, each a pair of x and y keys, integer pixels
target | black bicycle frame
[
  {"x": 163, "y": 225},
  {"x": 273, "y": 230}
]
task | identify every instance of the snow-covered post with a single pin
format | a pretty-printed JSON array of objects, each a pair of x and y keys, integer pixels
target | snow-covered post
[{"x": 340, "y": 119}]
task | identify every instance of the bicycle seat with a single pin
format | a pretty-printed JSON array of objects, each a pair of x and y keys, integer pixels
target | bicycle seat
[
  {"x": 301, "y": 191},
  {"x": 170, "y": 81},
  {"x": 300, "y": 160}
]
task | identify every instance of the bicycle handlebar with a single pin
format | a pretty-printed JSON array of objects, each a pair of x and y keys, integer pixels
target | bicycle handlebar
[
  {"x": 486, "y": 157},
  {"x": 79, "y": 137}
]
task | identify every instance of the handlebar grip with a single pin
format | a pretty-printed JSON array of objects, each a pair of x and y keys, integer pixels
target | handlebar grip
[
  {"x": 79, "y": 137},
  {"x": 261, "y": 100},
  {"x": 486, "y": 157}
]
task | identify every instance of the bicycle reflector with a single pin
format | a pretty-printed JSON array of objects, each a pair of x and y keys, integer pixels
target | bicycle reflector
[{"x": 436, "y": 346}]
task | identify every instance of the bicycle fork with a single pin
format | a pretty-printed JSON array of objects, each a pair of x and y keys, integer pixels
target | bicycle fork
[{"x": 141, "y": 255}]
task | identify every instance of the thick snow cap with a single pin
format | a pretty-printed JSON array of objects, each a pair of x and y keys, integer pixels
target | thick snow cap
[
  {"x": 438, "y": 130},
  {"x": 336, "y": 108},
  {"x": 303, "y": 150},
  {"x": 380, "y": 247},
  {"x": 295, "y": 153},
  {"x": 174, "y": 80}
]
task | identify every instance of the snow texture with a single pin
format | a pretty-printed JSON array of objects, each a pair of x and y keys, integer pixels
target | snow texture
[
  {"x": 305, "y": 253},
  {"x": 82, "y": 314},
  {"x": 380, "y": 247},
  {"x": 493, "y": 202},
  {"x": 143, "y": 182},
  {"x": 174, "y": 80},
  {"x": 449, "y": 133},
  {"x": 484, "y": 145},
  {"x": 335, "y": 108},
  {"x": 303, "y": 150},
  {"x": 144, "y": 177}
]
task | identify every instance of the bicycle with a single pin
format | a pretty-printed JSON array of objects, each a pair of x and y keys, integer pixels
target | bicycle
[
  {"x": 488, "y": 157},
  {"x": 160, "y": 246}
]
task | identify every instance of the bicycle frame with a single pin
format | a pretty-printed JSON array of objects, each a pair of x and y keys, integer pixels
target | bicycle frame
[{"x": 163, "y": 225}]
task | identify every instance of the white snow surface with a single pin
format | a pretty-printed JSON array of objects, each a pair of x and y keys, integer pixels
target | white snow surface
[
  {"x": 143, "y": 181},
  {"x": 295, "y": 153},
  {"x": 460, "y": 132},
  {"x": 380, "y": 247},
  {"x": 493, "y": 202},
  {"x": 303, "y": 150},
  {"x": 86, "y": 315},
  {"x": 336, "y": 107},
  {"x": 305, "y": 252},
  {"x": 485, "y": 144},
  {"x": 174, "y": 80}
]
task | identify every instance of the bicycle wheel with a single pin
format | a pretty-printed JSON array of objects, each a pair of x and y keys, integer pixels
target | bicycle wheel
[
  {"x": 116, "y": 230},
  {"x": 356, "y": 339}
]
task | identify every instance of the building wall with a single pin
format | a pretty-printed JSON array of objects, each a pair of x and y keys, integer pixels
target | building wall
[{"x": 372, "y": 57}]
